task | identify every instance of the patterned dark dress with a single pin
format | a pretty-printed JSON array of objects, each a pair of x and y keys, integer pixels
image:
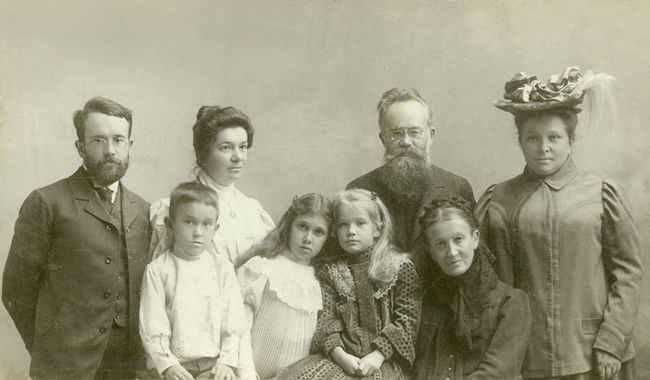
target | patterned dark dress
[{"x": 361, "y": 318}]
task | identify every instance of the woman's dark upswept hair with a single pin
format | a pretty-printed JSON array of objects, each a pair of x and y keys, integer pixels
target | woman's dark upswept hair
[
  {"x": 210, "y": 120},
  {"x": 278, "y": 239},
  {"x": 568, "y": 115}
]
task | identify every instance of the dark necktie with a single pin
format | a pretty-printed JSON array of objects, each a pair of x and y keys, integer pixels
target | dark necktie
[{"x": 105, "y": 194}]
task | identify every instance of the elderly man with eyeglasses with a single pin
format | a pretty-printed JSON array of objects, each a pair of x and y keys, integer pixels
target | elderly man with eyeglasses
[
  {"x": 408, "y": 178},
  {"x": 74, "y": 269}
]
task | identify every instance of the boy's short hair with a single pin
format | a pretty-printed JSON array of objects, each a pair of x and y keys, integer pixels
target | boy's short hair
[{"x": 187, "y": 192}]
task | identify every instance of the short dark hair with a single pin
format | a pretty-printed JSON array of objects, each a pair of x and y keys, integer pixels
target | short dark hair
[
  {"x": 567, "y": 115},
  {"x": 101, "y": 105},
  {"x": 210, "y": 120},
  {"x": 188, "y": 192}
]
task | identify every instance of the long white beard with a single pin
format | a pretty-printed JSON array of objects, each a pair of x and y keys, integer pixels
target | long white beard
[{"x": 406, "y": 176}]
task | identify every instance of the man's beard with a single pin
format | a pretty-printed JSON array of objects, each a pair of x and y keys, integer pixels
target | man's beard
[
  {"x": 107, "y": 170},
  {"x": 406, "y": 174}
]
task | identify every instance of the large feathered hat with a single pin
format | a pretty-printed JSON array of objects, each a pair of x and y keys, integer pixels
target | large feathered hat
[{"x": 525, "y": 93}]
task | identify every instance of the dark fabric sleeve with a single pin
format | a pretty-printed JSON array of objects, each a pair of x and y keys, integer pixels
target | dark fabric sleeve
[
  {"x": 329, "y": 326},
  {"x": 467, "y": 192},
  {"x": 26, "y": 262},
  {"x": 402, "y": 332},
  {"x": 505, "y": 354},
  {"x": 495, "y": 234},
  {"x": 622, "y": 258}
]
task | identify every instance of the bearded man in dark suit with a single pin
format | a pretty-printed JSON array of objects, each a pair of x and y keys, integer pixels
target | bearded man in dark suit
[
  {"x": 74, "y": 269},
  {"x": 408, "y": 178}
]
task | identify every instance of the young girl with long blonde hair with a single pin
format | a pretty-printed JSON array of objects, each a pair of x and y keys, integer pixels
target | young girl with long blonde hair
[{"x": 371, "y": 300}]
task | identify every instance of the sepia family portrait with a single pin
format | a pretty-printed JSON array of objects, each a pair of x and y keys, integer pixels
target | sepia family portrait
[{"x": 249, "y": 190}]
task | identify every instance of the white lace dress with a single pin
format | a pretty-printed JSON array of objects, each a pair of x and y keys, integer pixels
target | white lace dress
[{"x": 281, "y": 300}]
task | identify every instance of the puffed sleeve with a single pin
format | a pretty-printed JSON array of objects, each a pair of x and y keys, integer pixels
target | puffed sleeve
[
  {"x": 155, "y": 328},
  {"x": 160, "y": 239},
  {"x": 622, "y": 258},
  {"x": 399, "y": 336},
  {"x": 329, "y": 327},
  {"x": 266, "y": 219},
  {"x": 505, "y": 354},
  {"x": 28, "y": 255},
  {"x": 252, "y": 284},
  {"x": 495, "y": 234}
]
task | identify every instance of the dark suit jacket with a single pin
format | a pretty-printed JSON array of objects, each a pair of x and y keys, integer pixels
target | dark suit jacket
[
  {"x": 405, "y": 230},
  {"x": 59, "y": 269}
]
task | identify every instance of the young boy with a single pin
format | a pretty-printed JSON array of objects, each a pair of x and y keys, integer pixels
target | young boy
[{"x": 191, "y": 309}]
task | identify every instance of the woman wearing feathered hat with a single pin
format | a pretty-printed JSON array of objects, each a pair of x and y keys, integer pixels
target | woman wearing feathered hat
[{"x": 565, "y": 237}]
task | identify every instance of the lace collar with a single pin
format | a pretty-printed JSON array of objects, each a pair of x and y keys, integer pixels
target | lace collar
[{"x": 294, "y": 284}]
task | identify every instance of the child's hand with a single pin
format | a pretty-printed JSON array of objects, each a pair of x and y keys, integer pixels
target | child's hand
[
  {"x": 348, "y": 363},
  {"x": 370, "y": 363},
  {"x": 177, "y": 372},
  {"x": 223, "y": 372}
]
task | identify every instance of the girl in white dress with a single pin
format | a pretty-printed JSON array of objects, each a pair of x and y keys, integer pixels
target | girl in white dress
[
  {"x": 281, "y": 294},
  {"x": 222, "y": 137}
]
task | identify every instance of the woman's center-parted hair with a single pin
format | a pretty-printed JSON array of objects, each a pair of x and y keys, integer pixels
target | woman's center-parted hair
[
  {"x": 210, "y": 120},
  {"x": 447, "y": 208},
  {"x": 188, "y": 192},
  {"x": 568, "y": 116}
]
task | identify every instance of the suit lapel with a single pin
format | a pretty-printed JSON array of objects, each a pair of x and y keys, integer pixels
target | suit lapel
[
  {"x": 83, "y": 192},
  {"x": 129, "y": 212}
]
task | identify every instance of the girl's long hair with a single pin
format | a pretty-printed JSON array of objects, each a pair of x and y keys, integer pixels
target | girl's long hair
[
  {"x": 385, "y": 259},
  {"x": 277, "y": 240}
]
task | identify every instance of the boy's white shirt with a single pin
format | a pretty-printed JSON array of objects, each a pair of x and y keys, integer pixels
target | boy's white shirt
[{"x": 191, "y": 309}]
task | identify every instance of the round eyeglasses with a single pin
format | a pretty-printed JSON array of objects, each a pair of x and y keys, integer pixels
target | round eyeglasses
[
  {"x": 101, "y": 142},
  {"x": 399, "y": 133}
]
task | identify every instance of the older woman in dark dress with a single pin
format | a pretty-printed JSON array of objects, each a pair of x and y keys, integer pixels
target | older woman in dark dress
[
  {"x": 473, "y": 326},
  {"x": 565, "y": 237}
]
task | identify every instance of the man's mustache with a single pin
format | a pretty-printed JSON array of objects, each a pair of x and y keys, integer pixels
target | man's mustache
[
  {"x": 408, "y": 152},
  {"x": 109, "y": 160}
]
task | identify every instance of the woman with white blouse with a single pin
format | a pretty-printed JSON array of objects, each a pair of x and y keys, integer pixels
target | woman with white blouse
[{"x": 222, "y": 137}]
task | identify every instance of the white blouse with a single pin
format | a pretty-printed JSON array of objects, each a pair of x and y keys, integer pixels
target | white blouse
[
  {"x": 242, "y": 222},
  {"x": 281, "y": 301}
]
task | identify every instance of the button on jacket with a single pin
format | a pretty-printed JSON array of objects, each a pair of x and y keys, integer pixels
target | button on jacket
[
  {"x": 62, "y": 277},
  {"x": 570, "y": 243}
]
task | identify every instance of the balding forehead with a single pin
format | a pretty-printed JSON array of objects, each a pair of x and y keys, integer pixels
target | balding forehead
[{"x": 410, "y": 113}]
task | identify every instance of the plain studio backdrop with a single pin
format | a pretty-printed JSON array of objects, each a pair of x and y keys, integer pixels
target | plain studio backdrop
[{"x": 309, "y": 75}]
